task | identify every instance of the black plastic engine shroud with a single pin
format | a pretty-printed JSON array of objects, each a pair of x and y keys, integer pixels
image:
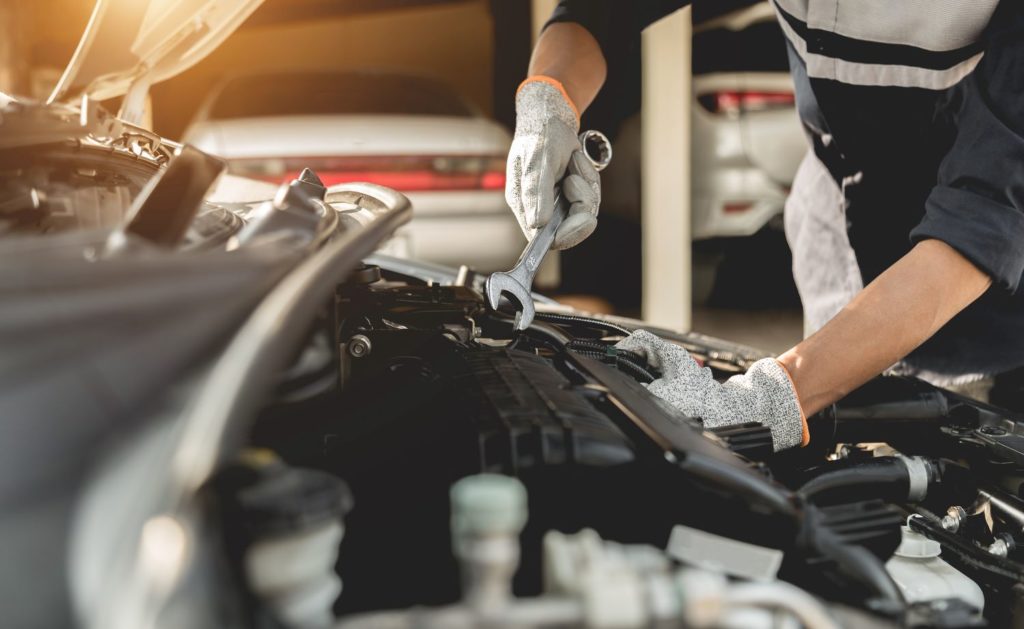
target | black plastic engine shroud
[{"x": 423, "y": 410}]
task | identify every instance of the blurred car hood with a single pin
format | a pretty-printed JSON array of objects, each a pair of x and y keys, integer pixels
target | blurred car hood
[
  {"x": 149, "y": 40},
  {"x": 310, "y": 136}
]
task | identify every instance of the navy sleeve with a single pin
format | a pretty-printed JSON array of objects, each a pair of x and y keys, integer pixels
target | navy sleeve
[
  {"x": 610, "y": 19},
  {"x": 977, "y": 206}
]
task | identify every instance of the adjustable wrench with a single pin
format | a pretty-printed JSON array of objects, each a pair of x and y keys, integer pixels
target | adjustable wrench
[{"x": 518, "y": 281}]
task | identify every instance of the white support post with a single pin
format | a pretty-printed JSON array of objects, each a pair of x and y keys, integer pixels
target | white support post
[
  {"x": 540, "y": 11},
  {"x": 666, "y": 172},
  {"x": 549, "y": 275}
]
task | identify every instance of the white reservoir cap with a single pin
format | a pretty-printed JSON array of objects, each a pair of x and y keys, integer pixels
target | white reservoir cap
[{"x": 488, "y": 504}]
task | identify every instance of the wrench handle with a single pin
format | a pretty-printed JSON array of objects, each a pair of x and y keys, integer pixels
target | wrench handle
[
  {"x": 598, "y": 150},
  {"x": 541, "y": 242}
]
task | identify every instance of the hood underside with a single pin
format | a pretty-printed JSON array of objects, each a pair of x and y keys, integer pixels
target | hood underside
[{"x": 128, "y": 41}]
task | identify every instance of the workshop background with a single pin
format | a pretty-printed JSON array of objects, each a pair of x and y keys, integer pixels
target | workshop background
[{"x": 389, "y": 71}]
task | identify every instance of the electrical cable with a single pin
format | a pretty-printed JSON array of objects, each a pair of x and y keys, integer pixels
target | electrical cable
[
  {"x": 630, "y": 362},
  {"x": 553, "y": 317},
  {"x": 548, "y": 334},
  {"x": 633, "y": 370}
]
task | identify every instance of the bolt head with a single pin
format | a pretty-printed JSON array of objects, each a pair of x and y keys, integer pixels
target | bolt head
[
  {"x": 999, "y": 548},
  {"x": 359, "y": 346}
]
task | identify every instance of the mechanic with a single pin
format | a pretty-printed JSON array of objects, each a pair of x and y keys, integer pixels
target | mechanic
[{"x": 905, "y": 218}]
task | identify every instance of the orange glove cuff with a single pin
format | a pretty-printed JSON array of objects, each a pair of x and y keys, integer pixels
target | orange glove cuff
[
  {"x": 555, "y": 83},
  {"x": 806, "y": 433}
]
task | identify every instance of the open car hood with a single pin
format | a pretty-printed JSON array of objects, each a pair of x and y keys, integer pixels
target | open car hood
[{"x": 145, "y": 41}]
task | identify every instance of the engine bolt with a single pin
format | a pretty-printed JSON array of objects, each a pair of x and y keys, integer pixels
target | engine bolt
[
  {"x": 953, "y": 519},
  {"x": 359, "y": 346},
  {"x": 1002, "y": 546}
]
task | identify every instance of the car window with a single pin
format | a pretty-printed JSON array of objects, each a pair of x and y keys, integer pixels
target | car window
[{"x": 318, "y": 94}]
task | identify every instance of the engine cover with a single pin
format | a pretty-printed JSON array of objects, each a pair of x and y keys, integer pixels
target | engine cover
[{"x": 425, "y": 411}]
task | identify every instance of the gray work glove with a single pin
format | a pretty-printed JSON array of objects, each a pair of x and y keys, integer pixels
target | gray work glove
[
  {"x": 544, "y": 150},
  {"x": 764, "y": 394}
]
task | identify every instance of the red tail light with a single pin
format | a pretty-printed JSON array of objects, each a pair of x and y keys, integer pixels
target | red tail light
[
  {"x": 403, "y": 173},
  {"x": 734, "y": 102},
  {"x": 737, "y": 207}
]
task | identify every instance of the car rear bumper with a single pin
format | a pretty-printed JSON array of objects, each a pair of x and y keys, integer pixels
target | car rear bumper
[
  {"x": 738, "y": 202},
  {"x": 474, "y": 228}
]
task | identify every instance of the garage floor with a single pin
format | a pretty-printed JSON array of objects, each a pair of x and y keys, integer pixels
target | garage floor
[{"x": 769, "y": 330}]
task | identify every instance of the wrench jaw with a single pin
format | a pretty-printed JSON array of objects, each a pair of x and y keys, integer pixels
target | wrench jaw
[
  {"x": 493, "y": 288},
  {"x": 518, "y": 281},
  {"x": 525, "y": 317},
  {"x": 499, "y": 283}
]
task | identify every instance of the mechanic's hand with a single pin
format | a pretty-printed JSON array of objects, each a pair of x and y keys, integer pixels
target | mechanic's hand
[
  {"x": 764, "y": 394},
  {"x": 546, "y": 153}
]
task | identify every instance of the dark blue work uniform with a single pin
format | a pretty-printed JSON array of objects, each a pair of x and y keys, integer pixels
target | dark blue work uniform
[{"x": 915, "y": 113}]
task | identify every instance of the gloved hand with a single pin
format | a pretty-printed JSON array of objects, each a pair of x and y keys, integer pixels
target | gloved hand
[
  {"x": 764, "y": 394},
  {"x": 544, "y": 150}
]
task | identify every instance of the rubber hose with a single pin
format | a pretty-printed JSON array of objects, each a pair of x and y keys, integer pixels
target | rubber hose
[
  {"x": 860, "y": 564},
  {"x": 744, "y": 483},
  {"x": 883, "y": 477}
]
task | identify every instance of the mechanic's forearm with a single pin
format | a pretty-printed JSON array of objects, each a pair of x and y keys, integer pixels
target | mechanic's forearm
[
  {"x": 894, "y": 314},
  {"x": 568, "y": 53}
]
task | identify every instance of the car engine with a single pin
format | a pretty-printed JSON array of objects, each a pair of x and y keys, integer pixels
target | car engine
[{"x": 430, "y": 402}]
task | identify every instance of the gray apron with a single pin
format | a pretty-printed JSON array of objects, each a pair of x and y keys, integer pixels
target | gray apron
[{"x": 825, "y": 266}]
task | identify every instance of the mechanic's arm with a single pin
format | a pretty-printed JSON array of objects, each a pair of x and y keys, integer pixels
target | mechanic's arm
[
  {"x": 969, "y": 238},
  {"x": 568, "y": 53},
  {"x": 901, "y": 309},
  {"x": 566, "y": 72}
]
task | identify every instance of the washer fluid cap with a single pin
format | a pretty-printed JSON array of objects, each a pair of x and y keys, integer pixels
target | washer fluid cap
[
  {"x": 281, "y": 500},
  {"x": 916, "y": 546},
  {"x": 488, "y": 503}
]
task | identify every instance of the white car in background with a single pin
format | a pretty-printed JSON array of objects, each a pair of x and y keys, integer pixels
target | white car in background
[
  {"x": 747, "y": 139},
  {"x": 747, "y": 146},
  {"x": 410, "y": 133}
]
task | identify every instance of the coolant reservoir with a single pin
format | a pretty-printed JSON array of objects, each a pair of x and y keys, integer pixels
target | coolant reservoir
[
  {"x": 292, "y": 518},
  {"x": 922, "y": 576},
  {"x": 488, "y": 513}
]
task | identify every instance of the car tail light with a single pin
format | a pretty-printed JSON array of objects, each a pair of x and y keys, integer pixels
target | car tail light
[
  {"x": 404, "y": 173},
  {"x": 737, "y": 207},
  {"x": 734, "y": 102}
]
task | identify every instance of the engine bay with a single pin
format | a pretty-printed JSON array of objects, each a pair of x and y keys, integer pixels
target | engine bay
[
  {"x": 409, "y": 387},
  {"x": 412, "y": 459}
]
